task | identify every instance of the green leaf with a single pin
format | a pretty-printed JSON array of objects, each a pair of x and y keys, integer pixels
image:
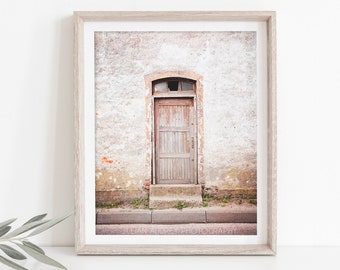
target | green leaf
[
  {"x": 4, "y": 230},
  {"x": 11, "y": 264},
  {"x": 25, "y": 228},
  {"x": 48, "y": 225},
  {"x": 33, "y": 246},
  {"x": 7, "y": 222},
  {"x": 40, "y": 257},
  {"x": 36, "y": 218},
  {"x": 13, "y": 253}
]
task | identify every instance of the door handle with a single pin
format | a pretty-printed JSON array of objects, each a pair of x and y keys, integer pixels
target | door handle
[{"x": 192, "y": 143}]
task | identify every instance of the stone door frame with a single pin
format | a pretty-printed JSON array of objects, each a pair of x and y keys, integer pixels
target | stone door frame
[{"x": 198, "y": 107}]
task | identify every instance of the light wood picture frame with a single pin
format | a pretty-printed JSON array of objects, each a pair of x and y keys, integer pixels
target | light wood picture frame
[{"x": 87, "y": 25}]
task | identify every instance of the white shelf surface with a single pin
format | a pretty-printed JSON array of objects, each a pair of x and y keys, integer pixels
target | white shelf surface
[{"x": 311, "y": 258}]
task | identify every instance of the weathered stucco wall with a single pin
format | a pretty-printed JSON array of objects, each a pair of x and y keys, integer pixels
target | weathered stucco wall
[{"x": 227, "y": 63}]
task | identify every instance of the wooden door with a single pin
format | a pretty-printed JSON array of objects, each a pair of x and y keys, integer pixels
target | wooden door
[{"x": 175, "y": 143}]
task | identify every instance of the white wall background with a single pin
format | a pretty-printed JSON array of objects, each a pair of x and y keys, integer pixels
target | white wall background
[{"x": 36, "y": 110}]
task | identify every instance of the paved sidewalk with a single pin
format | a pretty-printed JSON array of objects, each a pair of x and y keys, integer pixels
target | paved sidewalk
[{"x": 178, "y": 229}]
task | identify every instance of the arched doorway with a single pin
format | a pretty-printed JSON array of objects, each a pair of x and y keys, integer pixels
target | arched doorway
[{"x": 176, "y": 127}]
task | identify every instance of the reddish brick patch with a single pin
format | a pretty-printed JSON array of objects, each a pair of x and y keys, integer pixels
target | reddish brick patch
[{"x": 106, "y": 160}]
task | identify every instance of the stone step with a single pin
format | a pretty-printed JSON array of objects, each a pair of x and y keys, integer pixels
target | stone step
[
  {"x": 168, "y": 196},
  {"x": 169, "y": 190},
  {"x": 171, "y": 202}
]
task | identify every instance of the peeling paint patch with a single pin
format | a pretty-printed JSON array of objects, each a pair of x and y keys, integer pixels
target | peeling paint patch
[{"x": 106, "y": 160}]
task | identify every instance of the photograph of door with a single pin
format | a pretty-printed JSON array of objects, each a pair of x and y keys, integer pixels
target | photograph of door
[{"x": 175, "y": 143}]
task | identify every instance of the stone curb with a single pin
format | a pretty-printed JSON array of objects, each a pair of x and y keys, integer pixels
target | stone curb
[
  {"x": 240, "y": 216},
  {"x": 124, "y": 217},
  {"x": 174, "y": 216}
]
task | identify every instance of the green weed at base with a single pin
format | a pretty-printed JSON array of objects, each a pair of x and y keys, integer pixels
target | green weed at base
[
  {"x": 108, "y": 205},
  {"x": 253, "y": 201},
  {"x": 206, "y": 200},
  {"x": 180, "y": 205},
  {"x": 226, "y": 199},
  {"x": 136, "y": 203},
  {"x": 206, "y": 197}
]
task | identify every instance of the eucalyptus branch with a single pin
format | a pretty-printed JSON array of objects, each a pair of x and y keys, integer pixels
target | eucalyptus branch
[{"x": 10, "y": 241}]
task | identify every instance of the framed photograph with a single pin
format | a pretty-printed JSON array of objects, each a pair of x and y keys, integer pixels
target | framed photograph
[{"x": 175, "y": 133}]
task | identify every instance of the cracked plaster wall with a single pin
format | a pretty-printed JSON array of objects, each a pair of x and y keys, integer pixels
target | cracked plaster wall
[{"x": 227, "y": 63}]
